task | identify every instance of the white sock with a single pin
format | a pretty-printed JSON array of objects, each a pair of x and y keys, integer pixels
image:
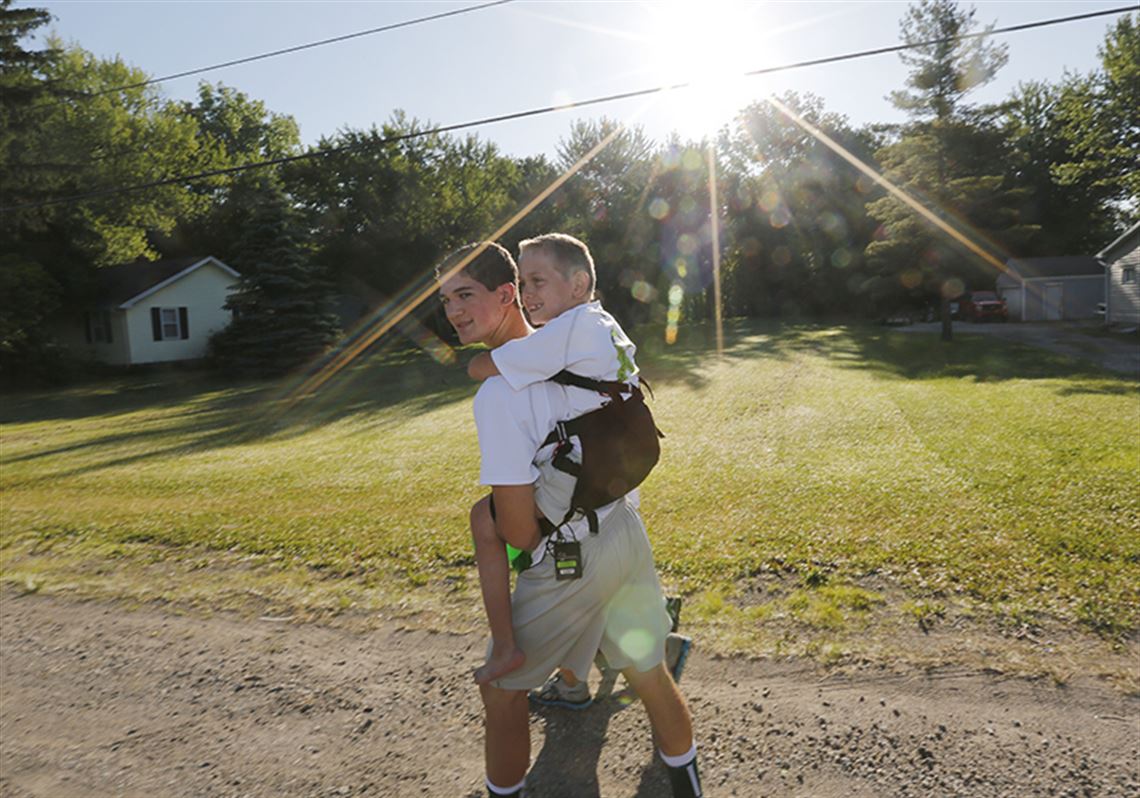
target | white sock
[
  {"x": 504, "y": 790},
  {"x": 679, "y": 761}
]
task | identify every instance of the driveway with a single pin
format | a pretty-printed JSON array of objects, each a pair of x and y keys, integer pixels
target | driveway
[{"x": 1075, "y": 339}]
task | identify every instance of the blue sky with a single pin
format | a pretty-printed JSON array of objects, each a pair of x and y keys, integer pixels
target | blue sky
[{"x": 530, "y": 54}]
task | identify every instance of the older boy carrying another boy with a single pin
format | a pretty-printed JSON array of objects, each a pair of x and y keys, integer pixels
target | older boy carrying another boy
[{"x": 615, "y": 604}]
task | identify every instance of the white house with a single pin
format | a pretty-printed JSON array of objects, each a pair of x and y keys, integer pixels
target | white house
[
  {"x": 153, "y": 311},
  {"x": 1052, "y": 289},
  {"x": 1121, "y": 261}
]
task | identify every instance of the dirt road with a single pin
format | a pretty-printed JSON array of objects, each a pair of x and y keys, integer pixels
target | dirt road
[{"x": 97, "y": 699}]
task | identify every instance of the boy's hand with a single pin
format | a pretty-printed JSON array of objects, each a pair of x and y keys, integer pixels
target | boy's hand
[{"x": 481, "y": 367}]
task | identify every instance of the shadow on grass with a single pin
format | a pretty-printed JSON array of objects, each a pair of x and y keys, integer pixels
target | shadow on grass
[
  {"x": 179, "y": 412},
  {"x": 184, "y": 412},
  {"x": 884, "y": 351},
  {"x": 919, "y": 356}
]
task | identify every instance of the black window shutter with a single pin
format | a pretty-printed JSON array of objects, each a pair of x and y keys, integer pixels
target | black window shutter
[
  {"x": 107, "y": 321},
  {"x": 87, "y": 327},
  {"x": 156, "y": 323},
  {"x": 184, "y": 322}
]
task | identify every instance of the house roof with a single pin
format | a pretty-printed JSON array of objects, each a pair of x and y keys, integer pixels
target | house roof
[
  {"x": 1130, "y": 236},
  {"x": 123, "y": 285},
  {"x": 1060, "y": 266}
]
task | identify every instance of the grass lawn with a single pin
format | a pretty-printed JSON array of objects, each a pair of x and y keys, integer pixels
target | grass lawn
[{"x": 840, "y": 492}]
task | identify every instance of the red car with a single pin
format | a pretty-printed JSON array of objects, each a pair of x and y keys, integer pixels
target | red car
[{"x": 984, "y": 306}]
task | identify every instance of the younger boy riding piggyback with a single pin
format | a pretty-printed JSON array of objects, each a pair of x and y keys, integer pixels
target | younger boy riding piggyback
[{"x": 575, "y": 334}]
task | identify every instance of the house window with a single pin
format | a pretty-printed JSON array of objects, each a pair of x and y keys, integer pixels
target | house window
[
  {"x": 99, "y": 327},
  {"x": 170, "y": 324},
  {"x": 1128, "y": 274}
]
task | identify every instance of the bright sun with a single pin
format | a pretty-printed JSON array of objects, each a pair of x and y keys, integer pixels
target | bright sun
[{"x": 709, "y": 45}]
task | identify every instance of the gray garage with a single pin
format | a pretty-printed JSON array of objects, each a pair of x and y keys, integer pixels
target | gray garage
[{"x": 1052, "y": 289}]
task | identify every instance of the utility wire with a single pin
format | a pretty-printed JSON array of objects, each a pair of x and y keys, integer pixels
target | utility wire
[
  {"x": 551, "y": 109},
  {"x": 299, "y": 47}
]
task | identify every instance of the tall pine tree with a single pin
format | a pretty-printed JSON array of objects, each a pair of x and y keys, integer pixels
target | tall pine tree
[
  {"x": 951, "y": 158},
  {"x": 282, "y": 305}
]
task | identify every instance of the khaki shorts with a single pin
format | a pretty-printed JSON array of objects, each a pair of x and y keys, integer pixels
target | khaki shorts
[{"x": 616, "y": 606}]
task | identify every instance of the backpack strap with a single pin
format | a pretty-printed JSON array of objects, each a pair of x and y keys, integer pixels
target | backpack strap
[{"x": 608, "y": 387}]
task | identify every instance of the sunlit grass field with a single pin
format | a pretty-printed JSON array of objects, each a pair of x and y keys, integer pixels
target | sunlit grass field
[{"x": 820, "y": 487}]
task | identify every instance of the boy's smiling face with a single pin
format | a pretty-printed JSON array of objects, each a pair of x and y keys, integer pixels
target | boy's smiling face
[
  {"x": 477, "y": 313},
  {"x": 545, "y": 292}
]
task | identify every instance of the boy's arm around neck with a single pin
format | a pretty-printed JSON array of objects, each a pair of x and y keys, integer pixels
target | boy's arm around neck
[{"x": 482, "y": 367}]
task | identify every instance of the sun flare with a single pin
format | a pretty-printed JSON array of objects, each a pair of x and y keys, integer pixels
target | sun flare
[{"x": 708, "y": 46}]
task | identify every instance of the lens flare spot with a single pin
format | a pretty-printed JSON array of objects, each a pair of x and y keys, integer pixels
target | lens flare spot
[
  {"x": 780, "y": 217},
  {"x": 911, "y": 278},
  {"x": 636, "y": 644},
  {"x": 673, "y": 316},
  {"x": 769, "y": 201},
  {"x": 750, "y": 246},
  {"x": 687, "y": 205},
  {"x": 953, "y": 288},
  {"x": 841, "y": 258},
  {"x": 658, "y": 208},
  {"x": 832, "y": 223},
  {"x": 781, "y": 256},
  {"x": 863, "y": 184},
  {"x": 643, "y": 291},
  {"x": 692, "y": 160}
]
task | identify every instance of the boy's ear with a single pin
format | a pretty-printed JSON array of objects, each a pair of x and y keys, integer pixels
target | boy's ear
[
  {"x": 507, "y": 293},
  {"x": 580, "y": 283}
]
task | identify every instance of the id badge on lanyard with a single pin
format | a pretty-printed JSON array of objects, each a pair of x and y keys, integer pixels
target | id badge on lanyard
[{"x": 567, "y": 560}]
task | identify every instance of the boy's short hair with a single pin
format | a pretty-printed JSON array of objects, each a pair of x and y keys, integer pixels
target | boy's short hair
[
  {"x": 492, "y": 267},
  {"x": 569, "y": 254}
]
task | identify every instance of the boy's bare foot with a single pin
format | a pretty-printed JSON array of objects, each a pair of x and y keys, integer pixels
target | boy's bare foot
[{"x": 499, "y": 665}]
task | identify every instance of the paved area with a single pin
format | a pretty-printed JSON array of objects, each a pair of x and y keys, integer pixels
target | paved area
[{"x": 1075, "y": 339}]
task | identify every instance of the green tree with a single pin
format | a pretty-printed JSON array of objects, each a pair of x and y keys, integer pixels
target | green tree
[
  {"x": 1100, "y": 117},
  {"x": 945, "y": 70},
  {"x": 951, "y": 159},
  {"x": 387, "y": 204},
  {"x": 1070, "y": 214},
  {"x": 24, "y": 87},
  {"x": 240, "y": 129},
  {"x": 796, "y": 210},
  {"x": 282, "y": 304},
  {"x": 113, "y": 138},
  {"x": 29, "y": 293},
  {"x": 233, "y": 130},
  {"x": 606, "y": 204}
]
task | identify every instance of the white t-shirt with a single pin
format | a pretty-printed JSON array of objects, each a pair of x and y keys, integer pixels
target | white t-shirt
[
  {"x": 514, "y": 413},
  {"x": 585, "y": 340}
]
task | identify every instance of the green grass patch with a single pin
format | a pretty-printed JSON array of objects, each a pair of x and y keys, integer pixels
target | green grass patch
[{"x": 822, "y": 463}]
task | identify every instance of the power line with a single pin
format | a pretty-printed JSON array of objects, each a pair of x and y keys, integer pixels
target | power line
[
  {"x": 551, "y": 109},
  {"x": 299, "y": 47}
]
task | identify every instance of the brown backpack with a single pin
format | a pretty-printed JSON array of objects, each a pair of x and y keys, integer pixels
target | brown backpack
[{"x": 619, "y": 443}]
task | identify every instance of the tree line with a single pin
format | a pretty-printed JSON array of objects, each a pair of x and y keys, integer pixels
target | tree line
[{"x": 803, "y": 233}]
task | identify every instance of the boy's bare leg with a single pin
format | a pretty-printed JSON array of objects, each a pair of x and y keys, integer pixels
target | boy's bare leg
[
  {"x": 672, "y": 728},
  {"x": 506, "y": 745},
  {"x": 668, "y": 714},
  {"x": 495, "y": 584}
]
